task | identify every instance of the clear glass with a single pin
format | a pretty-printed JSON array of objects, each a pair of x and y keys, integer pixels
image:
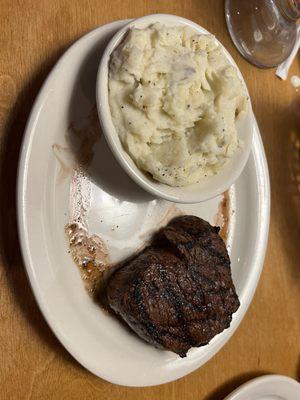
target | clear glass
[{"x": 264, "y": 31}]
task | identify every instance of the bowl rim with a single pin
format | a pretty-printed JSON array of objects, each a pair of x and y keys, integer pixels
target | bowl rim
[{"x": 107, "y": 124}]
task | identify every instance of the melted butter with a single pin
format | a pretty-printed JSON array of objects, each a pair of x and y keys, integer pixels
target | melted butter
[
  {"x": 89, "y": 251},
  {"x": 90, "y": 254},
  {"x": 223, "y": 215}
]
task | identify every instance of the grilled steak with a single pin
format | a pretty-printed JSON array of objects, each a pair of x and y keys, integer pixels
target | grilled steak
[{"x": 178, "y": 292}]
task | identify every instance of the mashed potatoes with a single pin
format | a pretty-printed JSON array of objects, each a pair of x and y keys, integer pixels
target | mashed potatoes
[{"x": 174, "y": 100}]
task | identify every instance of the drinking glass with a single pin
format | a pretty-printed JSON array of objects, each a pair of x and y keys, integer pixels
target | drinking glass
[{"x": 264, "y": 31}]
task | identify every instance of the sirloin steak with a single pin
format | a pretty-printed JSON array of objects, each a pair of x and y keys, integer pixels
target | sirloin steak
[{"x": 178, "y": 292}]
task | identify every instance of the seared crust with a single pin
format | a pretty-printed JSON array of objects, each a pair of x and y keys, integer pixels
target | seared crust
[{"x": 178, "y": 292}]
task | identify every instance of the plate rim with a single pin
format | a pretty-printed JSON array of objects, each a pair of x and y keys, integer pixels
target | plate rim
[
  {"x": 281, "y": 385},
  {"x": 22, "y": 175}
]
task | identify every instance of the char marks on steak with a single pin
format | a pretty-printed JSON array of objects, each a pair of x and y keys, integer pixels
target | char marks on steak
[{"x": 178, "y": 292}]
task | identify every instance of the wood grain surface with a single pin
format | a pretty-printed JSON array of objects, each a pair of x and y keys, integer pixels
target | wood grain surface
[{"x": 33, "y": 365}]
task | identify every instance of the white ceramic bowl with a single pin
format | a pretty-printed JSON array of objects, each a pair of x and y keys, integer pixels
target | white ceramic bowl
[{"x": 208, "y": 187}]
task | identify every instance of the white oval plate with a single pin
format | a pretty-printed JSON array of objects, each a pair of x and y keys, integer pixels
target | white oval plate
[
  {"x": 123, "y": 214},
  {"x": 269, "y": 387}
]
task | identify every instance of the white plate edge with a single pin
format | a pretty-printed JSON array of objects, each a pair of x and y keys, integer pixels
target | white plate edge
[{"x": 257, "y": 387}]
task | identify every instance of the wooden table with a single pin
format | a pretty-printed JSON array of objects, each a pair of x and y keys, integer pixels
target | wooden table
[{"x": 33, "y": 365}]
